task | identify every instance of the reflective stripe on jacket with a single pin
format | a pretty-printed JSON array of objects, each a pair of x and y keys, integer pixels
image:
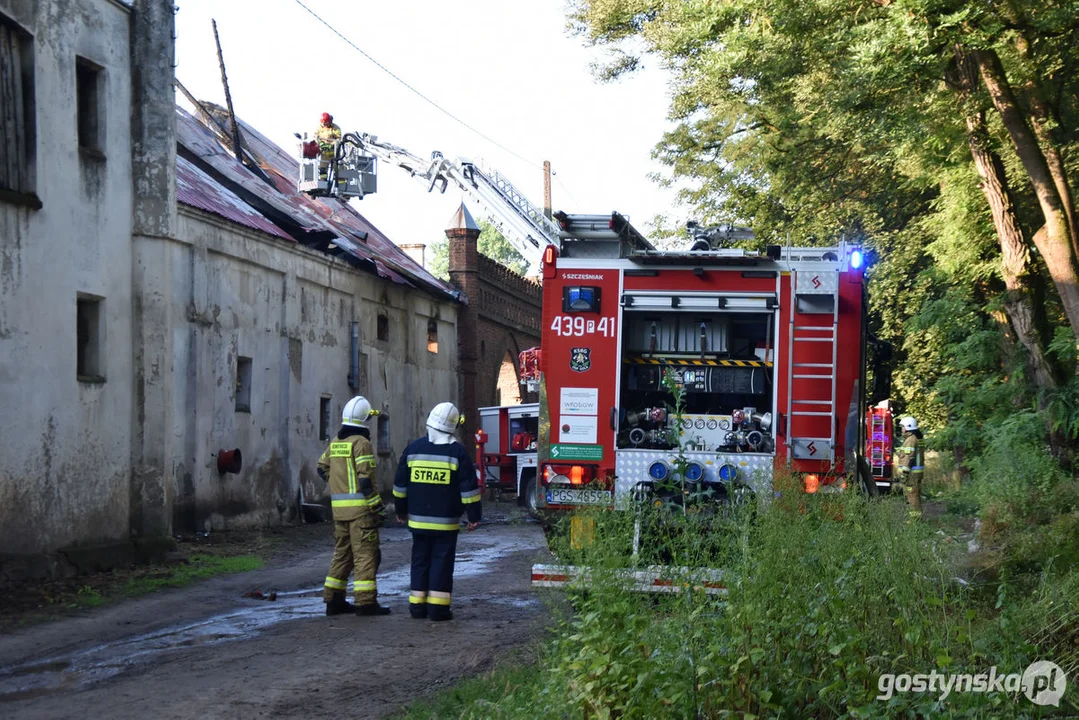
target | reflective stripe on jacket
[
  {"x": 909, "y": 455},
  {"x": 350, "y": 466},
  {"x": 434, "y": 485}
]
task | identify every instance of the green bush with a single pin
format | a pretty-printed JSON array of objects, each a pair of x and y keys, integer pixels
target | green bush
[{"x": 1029, "y": 507}]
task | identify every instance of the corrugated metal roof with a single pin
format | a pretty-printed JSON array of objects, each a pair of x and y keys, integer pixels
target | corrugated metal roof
[
  {"x": 197, "y": 189},
  {"x": 289, "y": 210}
]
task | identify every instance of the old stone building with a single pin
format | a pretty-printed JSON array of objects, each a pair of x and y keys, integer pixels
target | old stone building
[
  {"x": 162, "y": 300},
  {"x": 85, "y": 120}
]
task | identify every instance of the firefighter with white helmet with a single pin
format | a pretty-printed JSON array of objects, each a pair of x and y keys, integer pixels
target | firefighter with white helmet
[
  {"x": 349, "y": 466},
  {"x": 911, "y": 462},
  {"x": 436, "y": 481}
]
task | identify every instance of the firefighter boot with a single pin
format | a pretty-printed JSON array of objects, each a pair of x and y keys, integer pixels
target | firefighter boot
[
  {"x": 372, "y": 609},
  {"x": 439, "y": 613},
  {"x": 338, "y": 605},
  {"x": 418, "y": 611}
]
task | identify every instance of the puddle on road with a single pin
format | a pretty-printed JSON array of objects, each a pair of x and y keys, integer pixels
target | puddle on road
[{"x": 79, "y": 670}]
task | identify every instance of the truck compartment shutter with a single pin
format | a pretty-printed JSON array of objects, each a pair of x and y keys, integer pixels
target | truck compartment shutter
[{"x": 696, "y": 302}]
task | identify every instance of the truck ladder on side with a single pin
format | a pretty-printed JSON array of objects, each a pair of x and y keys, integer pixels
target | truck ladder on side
[
  {"x": 812, "y": 290},
  {"x": 878, "y": 454}
]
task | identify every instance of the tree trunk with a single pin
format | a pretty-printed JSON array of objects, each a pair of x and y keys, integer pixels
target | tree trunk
[
  {"x": 1041, "y": 117},
  {"x": 1013, "y": 253},
  {"x": 1054, "y": 240},
  {"x": 1018, "y": 305}
]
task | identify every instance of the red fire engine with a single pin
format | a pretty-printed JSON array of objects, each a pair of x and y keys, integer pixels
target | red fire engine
[
  {"x": 767, "y": 346},
  {"x": 878, "y": 444},
  {"x": 506, "y": 449}
]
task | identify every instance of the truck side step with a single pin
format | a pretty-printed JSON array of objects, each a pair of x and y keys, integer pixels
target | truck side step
[{"x": 656, "y": 578}]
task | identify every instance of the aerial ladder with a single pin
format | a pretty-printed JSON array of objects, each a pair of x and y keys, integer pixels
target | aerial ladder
[{"x": 353, "y": 172}]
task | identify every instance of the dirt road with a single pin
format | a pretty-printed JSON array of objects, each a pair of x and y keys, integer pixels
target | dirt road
[{"x": 206, "y": 651}]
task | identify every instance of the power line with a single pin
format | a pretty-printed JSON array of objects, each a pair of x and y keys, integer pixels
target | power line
[
  {"x": 563, "y": 186},
  {"x": 417, "y": 92}
]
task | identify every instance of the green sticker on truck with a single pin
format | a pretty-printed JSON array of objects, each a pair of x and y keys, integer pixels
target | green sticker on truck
[{"x": 576, "y": 452}]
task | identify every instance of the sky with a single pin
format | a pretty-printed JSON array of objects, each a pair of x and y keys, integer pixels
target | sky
[{"x": 507, "y": 68}]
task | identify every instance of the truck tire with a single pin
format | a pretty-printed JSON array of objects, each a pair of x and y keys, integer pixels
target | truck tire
[
  {"x": 528, "y": 495},
  {"x": 869, "y": 483}
]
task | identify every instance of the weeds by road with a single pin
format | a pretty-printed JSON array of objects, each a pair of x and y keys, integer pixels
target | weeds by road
[{"x": 826, "y": 596}]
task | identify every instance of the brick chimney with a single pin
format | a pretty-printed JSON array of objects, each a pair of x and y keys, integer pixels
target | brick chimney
[{"x": 463, "y": 232}]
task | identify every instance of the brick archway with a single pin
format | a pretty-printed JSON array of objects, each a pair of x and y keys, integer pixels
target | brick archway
[
  {"x": 502, "y": 318},
  {"x": 507, "y": 386}
]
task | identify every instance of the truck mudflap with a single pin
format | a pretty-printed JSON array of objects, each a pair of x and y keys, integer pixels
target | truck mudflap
[{"x": 655, "y": 578}]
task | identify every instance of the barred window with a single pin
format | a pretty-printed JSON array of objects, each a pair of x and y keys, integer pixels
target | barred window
[{"x": 17, "y": 123}]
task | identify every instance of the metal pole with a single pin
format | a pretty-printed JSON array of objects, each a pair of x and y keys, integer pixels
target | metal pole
[
  {"x": 228, "y": 98},
  {"x": 547, "y": 188}
]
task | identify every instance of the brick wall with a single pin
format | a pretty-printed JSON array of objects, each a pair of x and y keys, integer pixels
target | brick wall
[{"x": 502, "y": 316}]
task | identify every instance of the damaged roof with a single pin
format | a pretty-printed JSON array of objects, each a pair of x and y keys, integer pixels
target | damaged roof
[{"x": 261, "y": 194}]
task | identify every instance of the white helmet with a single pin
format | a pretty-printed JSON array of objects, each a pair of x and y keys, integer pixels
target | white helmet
[
  {"x": 357, "y": 411},
  {"x": 908, "y": 424},
  {"x": 445, "y": 417}
]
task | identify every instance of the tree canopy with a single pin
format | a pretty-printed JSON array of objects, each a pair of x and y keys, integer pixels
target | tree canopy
[
  {"x": 942, "y": 133},
  {"x": 491, "y": 243}
]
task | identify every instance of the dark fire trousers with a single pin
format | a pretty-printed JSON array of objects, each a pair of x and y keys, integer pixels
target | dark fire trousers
[{"x": 433, "y": 554}]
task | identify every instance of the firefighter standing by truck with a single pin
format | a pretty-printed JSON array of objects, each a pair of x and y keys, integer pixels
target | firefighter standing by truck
[
  {"x": 911, "y": 461},
  {"x": 435, "y": 482},
  {"x": 349, "y": 466}
]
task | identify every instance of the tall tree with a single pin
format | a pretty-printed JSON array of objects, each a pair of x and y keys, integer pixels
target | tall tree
[{"x": 806, "y": 119}]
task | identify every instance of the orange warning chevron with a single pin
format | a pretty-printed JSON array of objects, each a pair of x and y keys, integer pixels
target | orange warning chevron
[{"x": 694, "y": 363}]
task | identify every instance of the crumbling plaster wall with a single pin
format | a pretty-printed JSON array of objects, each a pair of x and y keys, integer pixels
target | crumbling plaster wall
[
  {"x": 240, "y": 293},
  {"x": 65, "y": 458}
]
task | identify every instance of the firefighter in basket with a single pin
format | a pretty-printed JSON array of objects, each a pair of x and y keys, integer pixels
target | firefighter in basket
[
  {"x": 436, "y": 481},
  {"x": 328, "y": 135},
  {"x": 911, "y": 462},
  {"x": 349, "y": 466}
]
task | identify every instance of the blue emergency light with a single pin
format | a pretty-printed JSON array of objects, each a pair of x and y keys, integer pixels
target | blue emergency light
[
  {"x": 580, "y": 299},
  {"x": 856, "y": 258}
]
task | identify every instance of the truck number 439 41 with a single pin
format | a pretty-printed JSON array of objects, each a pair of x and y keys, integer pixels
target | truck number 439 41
[{"x": 574, "y": 326}]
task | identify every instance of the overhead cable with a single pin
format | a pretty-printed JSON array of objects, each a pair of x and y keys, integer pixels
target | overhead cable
[{"x": 414, "y": 90}]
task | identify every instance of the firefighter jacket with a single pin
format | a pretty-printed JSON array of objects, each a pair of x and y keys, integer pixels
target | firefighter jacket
[
  {"x": 434, "y": 485},
  {"x": 910, "y": 455},
  {"x": 349, "y": 463},
  {"x": 328, "y": 134}
]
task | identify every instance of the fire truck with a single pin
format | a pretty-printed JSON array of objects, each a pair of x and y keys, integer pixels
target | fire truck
[
  {"x": 506, "y": 451},
  {"x": 879, "y": 434},
  {"x": 768, "y": 347}
]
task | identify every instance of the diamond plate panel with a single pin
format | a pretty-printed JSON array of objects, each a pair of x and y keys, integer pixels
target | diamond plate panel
[
  {"x": 631, "y": 467},
  {"x": 811, "y": 448},
  {"x": 817, "y": 282}
]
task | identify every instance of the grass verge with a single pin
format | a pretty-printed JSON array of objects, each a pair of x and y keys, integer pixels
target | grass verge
[
  {"x": 197, "y": 567},
  {"x": 827, "y": 597},
  {"x": 483, "y": 696}
]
